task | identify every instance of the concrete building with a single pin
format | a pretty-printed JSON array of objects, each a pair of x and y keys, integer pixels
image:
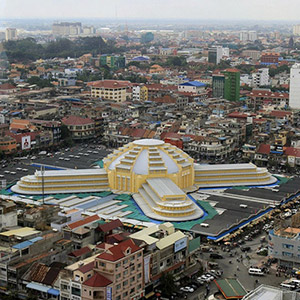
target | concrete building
[
  {"x": 11, "y": 34},
  {"x": 253, "y": 54},
  {"x": 8, "y": 214},
  {"x": 80, "y": 128},
  {"x": 66, "y": 28},
  {"x": 284, "y": 244},
  {"x": 165, "y": 250},
  {"x": 218, "y": 85},
  {"x": 296, "y": 29},
  {"x": 114, "y": 90},
  {"x": 294, "y": 98},
  {"x": 215, "y": 54},
  {"x": 139, "y": 93},
  {"x": 261, "y": 78},
  {"x": 232, "y": 85},
  {"x": 195, "y": 87},
  {"x": 248, "y": 36}
]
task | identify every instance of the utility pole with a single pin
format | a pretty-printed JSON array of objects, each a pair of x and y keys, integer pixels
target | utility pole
[{"x": 43, "y": 183}]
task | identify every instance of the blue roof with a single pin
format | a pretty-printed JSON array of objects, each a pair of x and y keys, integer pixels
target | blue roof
[
  {"x": 15, "y": 113},
  {"x": 37, "y": 287},
  {"x": 141, "y": 58},
  {"x": 71, "y": 99},
  {"x": 22, "y": 245},
  {"x": 54, "y": 292},
  {"x": 36, "y": 239},
  {"x": 194, "y": 83}
]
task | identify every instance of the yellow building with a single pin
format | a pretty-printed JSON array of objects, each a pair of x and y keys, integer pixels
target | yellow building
[{"x": 155, "y": 172}]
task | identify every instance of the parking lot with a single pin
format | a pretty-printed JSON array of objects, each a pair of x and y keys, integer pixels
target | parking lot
[{"x": 77, "y": 157}]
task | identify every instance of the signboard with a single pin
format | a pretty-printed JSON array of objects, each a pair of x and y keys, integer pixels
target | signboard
[
  {"x": 180, "y": 244},
  {"x": 147, "y": 268},
  {"x": 26, "y": 142},
  {"x": 109, "y": 293},
  {"x": 291, "y": 160}
]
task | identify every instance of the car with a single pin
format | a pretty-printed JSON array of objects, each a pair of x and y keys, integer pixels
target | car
[
  {"x": 89, "y": 151},
  {"x": 25, "y": 170},
  {"x": 61, "y": 158},
  {"x": 194, "y": 286},
  {"x": 4, "y": 166},
  {"x": 67, "y": 159},
  {"x": 13, "y": 173},
  {"x": 216, "y": 256},
  {"x": 95, "y": 152},
  {"x": 6, "y": 172},
  {"x": 245, "y": 248},
  {"x": 71, "y": 156},
  {"x": 33, "y": 157},
  {"x": 86, "y": 154},
  {"x": 187, "y": 289},
  {"x": 200, "y": 281},
  {"x": 80, "y": 153},
  {"x": 77, "y": 156},
  {"x": 19, "y": 169}
]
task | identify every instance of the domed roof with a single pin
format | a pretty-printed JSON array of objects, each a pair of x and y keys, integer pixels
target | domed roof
[{"x": 147, "y": 155}]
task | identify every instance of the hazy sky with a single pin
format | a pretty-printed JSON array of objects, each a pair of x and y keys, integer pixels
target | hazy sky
[{"x": 152, "y": 9}]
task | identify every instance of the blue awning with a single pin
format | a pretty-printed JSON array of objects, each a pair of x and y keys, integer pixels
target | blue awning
[
  {"x": 37, "y": 287},
  {"x": 53, "y": 292},
  {"x": 22, "y": 245},
  {"x": 38, "y": 238}
]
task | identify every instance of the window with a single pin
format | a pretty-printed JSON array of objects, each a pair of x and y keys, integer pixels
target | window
[
  {"x": 139, "y": 287},
  {"x": 102, "y": 264},
  {"x": 125, "y": 282},
  {"x": 132, "y": 258},
  {"x": 132, "y": 279},
  {"x": 125, "y": 261},
  {"x": 125, "y": 272},
  {"x": 118, "y": 286},
  {"x": 125, "y": 294},
  {"x": 118, "y": 265},
  {"x": 139, "y": 265},
  {"x": 118, "y": 276},
  {"x": 132, "y": 291},
  {"x": 287, "y": 246},
  {"x": 287, "y": 254},
  {"x": 139, "y": 254},
  {"x": 139, "y": 275}
]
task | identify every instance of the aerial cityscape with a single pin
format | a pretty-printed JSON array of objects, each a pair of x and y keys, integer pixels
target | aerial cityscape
[{"x": 149, "y": 150}]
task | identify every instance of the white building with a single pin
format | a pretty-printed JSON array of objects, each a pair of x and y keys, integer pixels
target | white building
[
  {"x": 294, "y": 101},
  {"x": 244, "y": 36},
  {"x": 296, "y": 29},
  {"x": 11, "y": 34},
  {"x": 261, "y": 78},
  {"x": 252, "y": 36},
  {"x": 225, "y": 52}
]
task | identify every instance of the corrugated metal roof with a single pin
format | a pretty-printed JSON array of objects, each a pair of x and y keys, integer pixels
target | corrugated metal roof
[{"x": 37, "y": 287}]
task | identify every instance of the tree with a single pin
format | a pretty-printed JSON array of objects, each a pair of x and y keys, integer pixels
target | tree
[{"x": 167, "y": 284}]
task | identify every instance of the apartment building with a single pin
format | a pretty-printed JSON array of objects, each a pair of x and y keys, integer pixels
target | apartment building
[
  {"x": 80, "y": 128},
  {"x": 114, "y": 90}
]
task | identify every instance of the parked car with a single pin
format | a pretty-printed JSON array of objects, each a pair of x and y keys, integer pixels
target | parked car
[
  {"x": 216, "y": 256},
  {"x": 187, "y": 289},
  {"x": 245, "y": 248}
]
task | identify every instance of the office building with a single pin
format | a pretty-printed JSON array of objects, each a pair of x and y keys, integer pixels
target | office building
[
  {"x": 248, "y": 36},
  {"x": 218, "y": 85},
  {"x": 11, "y": 34},
  {"x": 294, "y": 99},
  {"x": 232, "y": 84},
  {"x": 253, "y": 54},
  {"x": 269, "y": 58},
  {"x": 112, "y": 61},
  {"x": 215, "y": 55}
]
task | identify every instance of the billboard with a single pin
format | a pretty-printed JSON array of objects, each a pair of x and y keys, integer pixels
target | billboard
[
  {"x": 109, "y": 293},
  {"x": 180, "y": 244},
  {"x": 26, "y": 142}
]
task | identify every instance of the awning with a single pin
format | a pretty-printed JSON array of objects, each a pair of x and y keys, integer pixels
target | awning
[
  {"x": 37, "y": 287},
  {"x": 53, "y": 292}
]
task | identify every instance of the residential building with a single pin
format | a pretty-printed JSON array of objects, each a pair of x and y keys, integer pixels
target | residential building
[
  {"x": 165, "y": 250},
  {"x": 269, "y": 58},
  {"x": 139, "y": 93},
  {"x": 80, "y": 128},
  {"x": 232, "y": 84},
  {"x": 284, "y": 245},
  {"x": 66, "y": 28},
  {"x": 112, "y": 61},
  {"x": 11, "y": 34},
  {"x": 246, "y": 36},
  {"x": 8, "y": 214},
  {"x": 294, "y": 97},
  {"x": 296, "y": 29},
  {"x": 114, "y": 90},
  {"x": 261, "y": 78},
  {"x": 253, "y": 54}
]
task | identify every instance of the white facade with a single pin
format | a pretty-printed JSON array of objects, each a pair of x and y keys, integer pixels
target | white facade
[
  {"x": 261, "y": 78},
  {"x": 244, "y": 36},
  {"x": 136, "y": 90},
  {"x": 294, "y": 101},
  {"x": 11, "y": 34},
  {"x": 296, "y": 29},
  {"x": 225, "y": 52},
  {"x": 252, "y": 36}
]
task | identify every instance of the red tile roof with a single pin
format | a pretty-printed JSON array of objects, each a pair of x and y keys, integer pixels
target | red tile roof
[
  {"x": 80, "y": 252},
  {"x": 264, "y": 149},
  {"x": 110, "y": 84},
  {"x": 97, "y": 280},
  {"x": 74, "y": 120},
  {"x": 110, "y": 225},
  {"x": 86, "y": 268},
  {"x": 117, "y": 252},
  {"x": 291, "y": 151},
  {"x": 83, "y": 222},
  {"x": 280, "y": 113}
]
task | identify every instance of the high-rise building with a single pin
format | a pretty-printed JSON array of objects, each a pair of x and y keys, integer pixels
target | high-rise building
[
  {"x": 11, "y": 34},
  {"x": 252, "y": 36},
  {"x": 232, "y": 84},
  {"x": 296, "y": 29},
  {"x": 261, "y": 78},
  {"x": 218, "y": 85},
  {"x": 246, "y": 36},
  {"x": 215, "y": 55},
  {"x": 294, "y": 100}
]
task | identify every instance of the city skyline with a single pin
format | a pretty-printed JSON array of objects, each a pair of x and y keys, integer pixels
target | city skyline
[{"x": 155, "y": 9}]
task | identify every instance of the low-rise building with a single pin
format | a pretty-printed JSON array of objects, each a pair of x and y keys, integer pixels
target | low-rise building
[{"x": 80, "y": 128}]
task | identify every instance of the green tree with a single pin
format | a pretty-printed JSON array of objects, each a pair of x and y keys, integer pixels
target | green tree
[{"x": 167, "y": 284}]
